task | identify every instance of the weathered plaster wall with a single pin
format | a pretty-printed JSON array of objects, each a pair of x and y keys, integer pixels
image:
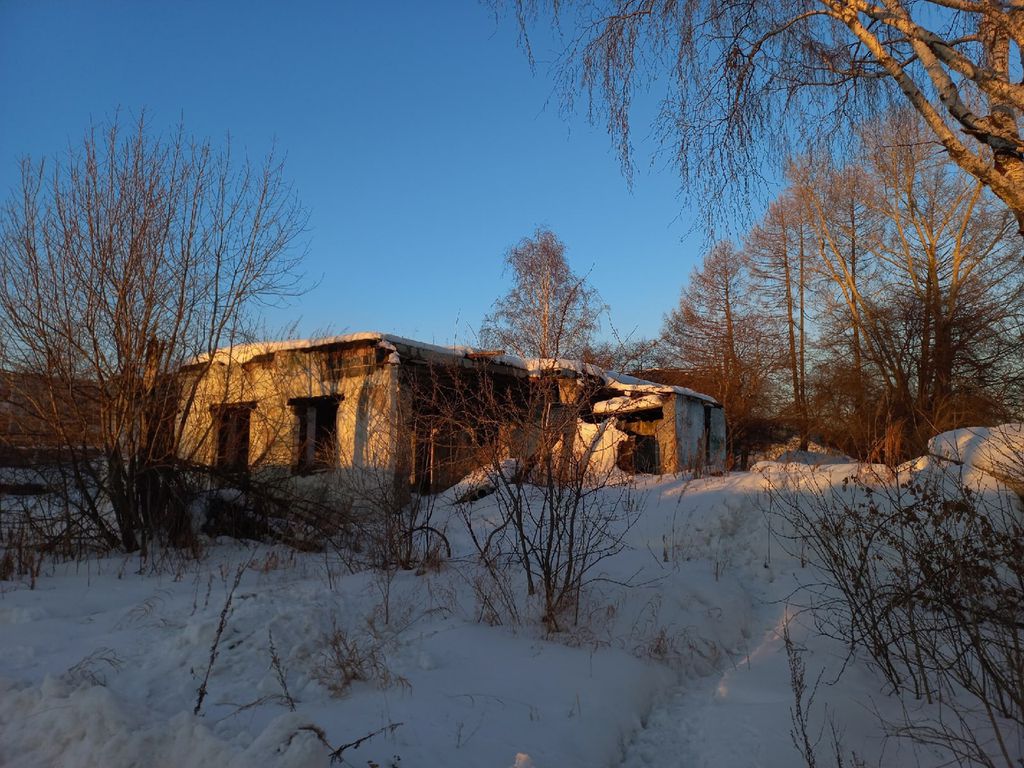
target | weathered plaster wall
[
  {"x": 378, "y": 406},
  {"x": 690, "y": 431},
  {"x": 367, "y": 411},
  {"x": 667, "y": 435}
]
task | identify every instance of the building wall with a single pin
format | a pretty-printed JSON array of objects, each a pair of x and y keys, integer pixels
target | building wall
[
  {"x": 692, "y": 452},
  {"x": 367, "y": 416},
  {"x": 668, "y": 436},
  {"x": 383, "y": 422},
  {"x": 689, "y": 432}
]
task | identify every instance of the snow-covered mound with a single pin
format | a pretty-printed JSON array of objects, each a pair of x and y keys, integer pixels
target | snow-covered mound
[
  {"x": 789, "y": 452},
  {"x": 998, "y": 450}
]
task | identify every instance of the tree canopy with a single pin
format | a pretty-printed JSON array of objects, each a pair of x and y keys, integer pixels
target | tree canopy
[
  {"x": 750, "y": 80},
  {"x": 549, "y": 312}
]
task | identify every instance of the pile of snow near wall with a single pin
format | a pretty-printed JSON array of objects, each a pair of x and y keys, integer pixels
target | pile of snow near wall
[{"x": 597, "y": 446}]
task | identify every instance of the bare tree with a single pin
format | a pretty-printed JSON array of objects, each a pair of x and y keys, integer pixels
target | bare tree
[
  {"x": 563, "y": 506},
  {"x": 922, "y": 293},
  {"x": 120, "y": 262},
  {"x": 550, "y": 312},
  {"x": 836, "y": 199},
  {"x": 948, "y": 255},
  {"x": 727, "y": 345},
  {"x": 628, "y": 355},
  {"x": 745, "y": 80},
  {"x": 781, "y": 250}
]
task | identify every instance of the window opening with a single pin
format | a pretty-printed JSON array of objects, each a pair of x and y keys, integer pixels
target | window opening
[
  {"x": 317, "y": 421},
  {"x": 233, "y": 427},
  {"x": 646, "y": 459}
]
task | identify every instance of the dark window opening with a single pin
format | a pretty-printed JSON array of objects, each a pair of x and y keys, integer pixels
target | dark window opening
[
  {"x": 233, "y": 422},
  {"x": 423, "y": 460},
  {"x": 439, "y": 457},
  {"x": 639, "y": 454},
  {"x": 646, "y": 457},
  {"x": 317, "y": 420}
]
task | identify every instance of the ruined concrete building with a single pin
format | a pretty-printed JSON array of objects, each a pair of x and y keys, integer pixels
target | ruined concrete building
[{"x": 431, "y": 414}]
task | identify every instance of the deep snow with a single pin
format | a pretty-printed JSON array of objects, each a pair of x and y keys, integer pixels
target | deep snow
[{"x": 677, "y": 660}]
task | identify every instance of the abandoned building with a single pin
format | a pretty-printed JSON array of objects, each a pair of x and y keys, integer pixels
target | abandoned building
[{"x": 428, "y": 414}]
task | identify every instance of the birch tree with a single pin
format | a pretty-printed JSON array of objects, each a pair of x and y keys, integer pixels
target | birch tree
[
  {"x": 550, "y": 311},
  {"x": 747, "y": 81},
  {"x": 951, "y": 268},
  {"x": 921, "y": 304}
]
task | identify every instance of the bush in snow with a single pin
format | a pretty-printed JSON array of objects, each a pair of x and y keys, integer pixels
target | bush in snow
[
  {"x": 923, "y": 572},
  {"x": 347, "y": 657},
  {"x": 561, "y": 506}
]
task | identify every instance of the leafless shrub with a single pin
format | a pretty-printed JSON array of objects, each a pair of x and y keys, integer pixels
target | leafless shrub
[
  {"x": 279, "y": 672},
  {"x": 925, "y": 576},
  {"x": 348, "y": 657},
  {"x": 44, "y": 520},
  {"x": 802, "y": 701},
  {"x": 560, "y": 512},
  {"x": 651, "y": 638},
  {"x": 120, "y": 263},
  {"x": 394, "y": 527},
  {"x": 20, "y": 558},
  {"x": 801, "y": 712},
  {"x": 495, "y": 592}
]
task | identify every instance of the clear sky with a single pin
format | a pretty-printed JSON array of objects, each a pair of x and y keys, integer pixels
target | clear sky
[{"x": 416, "y": 134}]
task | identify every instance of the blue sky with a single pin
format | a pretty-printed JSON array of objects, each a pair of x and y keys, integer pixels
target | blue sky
[{"x": 416, "y": 134}]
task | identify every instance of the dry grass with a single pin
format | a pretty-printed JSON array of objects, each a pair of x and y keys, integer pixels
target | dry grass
[{"x": 349, "y": 657}]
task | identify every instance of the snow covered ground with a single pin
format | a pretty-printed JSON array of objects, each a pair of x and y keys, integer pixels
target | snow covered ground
[{"x": 678, "y": 658}]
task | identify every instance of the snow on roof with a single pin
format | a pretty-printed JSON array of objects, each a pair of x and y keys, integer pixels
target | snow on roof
[
  {"x": 242, "y": 353},
  {"x": 562, "y": 365},
  {"x": 631, "y": 385},
  {"x": 619, "y": 405}
]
